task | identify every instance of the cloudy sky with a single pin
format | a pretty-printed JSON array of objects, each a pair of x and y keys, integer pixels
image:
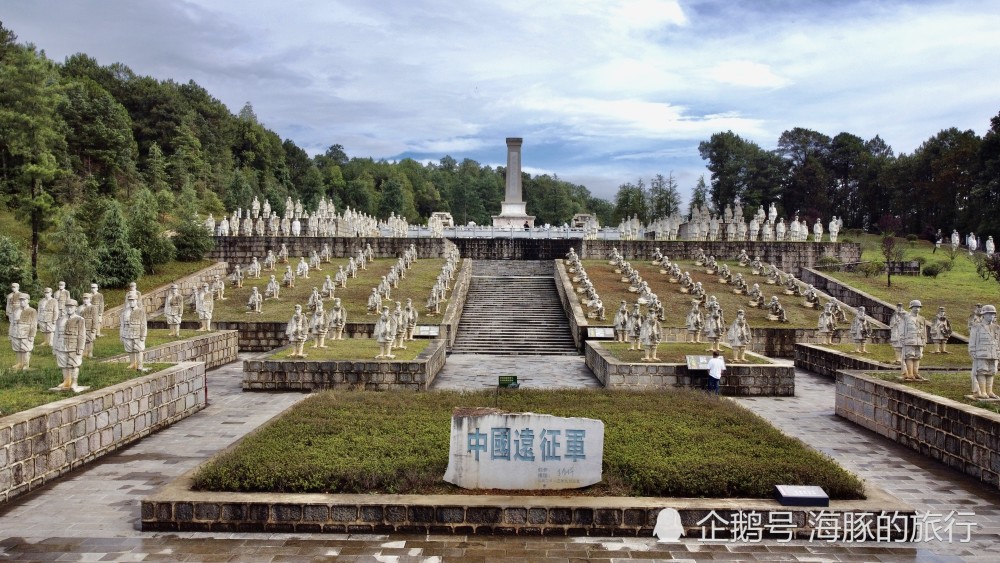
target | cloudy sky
[{"x": 603, "y": 92}]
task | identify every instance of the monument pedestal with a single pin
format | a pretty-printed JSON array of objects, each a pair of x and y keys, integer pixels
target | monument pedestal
[{"x": 512, "y": 209}]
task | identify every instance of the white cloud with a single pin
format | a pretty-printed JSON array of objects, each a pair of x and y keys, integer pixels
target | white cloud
[{"x": 745, "y": 73}]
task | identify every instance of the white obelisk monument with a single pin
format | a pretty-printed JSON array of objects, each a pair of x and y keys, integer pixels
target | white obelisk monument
[{"x": 512, "y": 210}]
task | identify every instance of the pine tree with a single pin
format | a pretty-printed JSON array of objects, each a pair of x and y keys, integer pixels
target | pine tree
[
  {"x": 73, "y": 259},
  {"x": 117, "y": 262}
]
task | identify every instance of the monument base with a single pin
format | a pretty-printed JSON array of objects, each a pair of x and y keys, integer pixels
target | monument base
[{"x": 515, "y": 221}]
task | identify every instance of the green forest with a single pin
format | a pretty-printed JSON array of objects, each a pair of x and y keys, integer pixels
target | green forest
[{"x": 102, "y": 159}]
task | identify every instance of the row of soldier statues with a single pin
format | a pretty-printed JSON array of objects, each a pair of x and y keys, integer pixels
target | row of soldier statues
[{"x": 70, "y": 328}]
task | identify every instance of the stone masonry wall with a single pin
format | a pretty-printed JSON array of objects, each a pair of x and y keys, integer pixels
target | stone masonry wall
[
  {"x": 787, "y": 256},
  {"x": 371, "y": 375},
  {"x": 577, "y": 317},
  {"x": 43, "y": 443},
  {"x": 456, "y": 304},
  {"x": 828, "y": 362},
  {"x": 962, "y": 436},
  {"x": 214, "y": 349},
  {"x": 153, "y": 300},
  {"x": 770, "y": 380}
]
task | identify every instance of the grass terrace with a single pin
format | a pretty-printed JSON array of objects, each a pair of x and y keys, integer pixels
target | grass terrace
[
  {"x": 957, "y": 356},
  {"x": 416, "y": 285},
  {"x": 950, "y": 385},
  {"x": 677, "y": 305},
  {"x": 165, "y": 274},
  {"x": 678, "y": 443},
  {"x": 957, "y": 290},
  {"x": 353, "y": 349},
  {"x": 22, "y": 390},
  {"x": 670, "y": 353}
]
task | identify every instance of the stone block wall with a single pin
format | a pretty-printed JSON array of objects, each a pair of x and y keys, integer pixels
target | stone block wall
[
  {"x": 152, "y": 301},
  {"x": 578, "y": 321},
  {"x": 239, "y": 250},
  {"x": 787, "y": 256},
  {"x": 874, "y": 307},
  {"x": 828, "y": 362},
  {"x": 372, "y": 375},
  {"x": 214, "y": 349},
  {"x": 43, "y": 443},
  {"x": 961, "y": 436},
  {"x": 452, "y": 315},
  {"x": 770, "y": 380},
  {"x": 514, "y": 248}
]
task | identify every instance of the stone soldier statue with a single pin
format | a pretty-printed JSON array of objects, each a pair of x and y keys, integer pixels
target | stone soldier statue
[
  {"x": 61, "y": 295},
  {"x": 384, "y": 334},
  {"x": 132, "y": 331},
  {"x": 913, "y": 336},
  {"x": 255, "y": 302},
  {"x": 940, "y": 332},
  {"x": 984, "y": 348},
  {"x": 399, "y": 321},
  {"x": 173, "y": 309},
  {"x": 861, "y": 331},
  {"x": 48, "y": 313},
  {"x": 738, "y": 336},
  {"x": 70, "y": 339},
  {"x": 89, "y": 314},
  {"x": 695, "y": 322},
  {"x": 204, "y": 304},
  {"x": 411, "y": 315},
  {"x": 650, "y": 336},
  {"x": 895, "y": 329},
  {"x": 23, "y": 326},
  {"x": 826, "y": 325},
  {"x": 297, "y": 331},
  {"x": 97, "y": 298},
  {"x": 621, "y": 321},
  {"x": 318, "y": 326},
  {"x": 12, "y": 298},
  {"x": 337, "y": 319}
]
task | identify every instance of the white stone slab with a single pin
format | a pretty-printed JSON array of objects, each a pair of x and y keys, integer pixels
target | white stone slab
[{"x": 495, "y": 450}]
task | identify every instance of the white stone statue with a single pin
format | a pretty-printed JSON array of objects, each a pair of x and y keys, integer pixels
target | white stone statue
[
  {"x": 255, "y": 303},
  {"x": 913, "y": 336},
  {"x": 204, "y": 305},
  {"x": 984, "y": 348},
  {"x": 297, "y": 332},
  {"x": 818, "y": 231},
  {"x": 23, "y": 326},
  {"x": 834, "y": 228},
  {"x": 621, "y": 323},
  {"x": 132, "y": 331},
  {"x": 412, "y": 315},
  {"x": 318, "y": 326},
  {"x": 89, "y": 314},
  {"x": 69, "y": 342},
  {"x": 826, "y": 325},
  {"x": 861, "y": 331},
  {"x": 48, "y": 313},
  {"x": 384, "y": 334},
  {"x": 12, "y": 298},
  {"x": 940, "y": 332},
  {"x": 954, "y": 240},
  {"x": 97, "y": 298},
  {"x": 775, "y": 311},
  {"x": 650, "y": 336},
  {"x": 254, "y": 269},
  {"x": 739, "y": 337},
  {"x": 374, "y": 302},
  {"x": 288, "y": 278},
  {"x": 173, "y": 309},
  {"x": 273, "y": 289},
  {"x": 270, "y": 261},
  {"x": 634, "y": 327},
  {"x": 990, "y": 246},
  {"x": 336, "y": 320},
  {"x": 895, "y": 330}
]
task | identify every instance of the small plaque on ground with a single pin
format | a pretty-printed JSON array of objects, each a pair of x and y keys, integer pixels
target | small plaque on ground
[
  {"x": 600, "y": 332},
  {"x": 698, "y": 362},
  {"x": 428, "y": 331},
  {"x": 801, "y": 495}
]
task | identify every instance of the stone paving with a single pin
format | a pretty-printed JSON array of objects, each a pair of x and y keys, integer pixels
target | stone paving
[
  {"x": 92, "y": 514},
  {"x": 475, "y": 372}
]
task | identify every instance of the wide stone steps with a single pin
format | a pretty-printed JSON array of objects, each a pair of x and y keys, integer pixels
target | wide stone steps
[{"x": 512, "y": 308}]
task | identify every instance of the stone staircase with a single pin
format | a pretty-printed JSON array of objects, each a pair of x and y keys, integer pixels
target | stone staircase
[{"x": 513, "y": 309}]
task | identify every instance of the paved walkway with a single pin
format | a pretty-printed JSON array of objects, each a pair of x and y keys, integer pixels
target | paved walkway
[
  {"x": 475, "y": 372},
  {"x": 92, "y": 514}
]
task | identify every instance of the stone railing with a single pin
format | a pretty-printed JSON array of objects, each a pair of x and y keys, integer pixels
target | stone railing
[
  {"x": 152, "y": 301},
  {"x": 962, "y": 436},
  {"x": 213, "y": 349},
  {"x": 740, "y": 379},
  {"x": 373, "y": 375},
  {"x": 43, "y": 443}
]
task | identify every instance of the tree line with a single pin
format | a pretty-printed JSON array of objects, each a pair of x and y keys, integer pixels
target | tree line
[{"x": 952, "y": 181}]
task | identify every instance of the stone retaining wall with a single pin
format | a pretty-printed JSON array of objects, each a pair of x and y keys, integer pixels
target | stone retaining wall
[
  {"x": 456, "y": 304},
  {"x": 785, "y": 255},
  {"x": 828, "y": 362},
  {"x": 176, "y": 508},
  {"x": 43, "y": 443},
  {"x": 770, "y": 380},
  {"x": 874, "y": 307},
  {"x": 152, "y": 301},
  {"x": 577, "y": 317},
  {"x": 213, "y": 349},
  {"x": 239, "y": 250},
  {"x": 373, "y": 375},
  {"x": 962, "y": 436}
]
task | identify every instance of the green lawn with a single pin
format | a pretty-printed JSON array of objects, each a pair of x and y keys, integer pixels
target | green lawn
[
  {"x": 22, "y": 390},
  {"x": 678, "y": 443},
  {"x": 677, "y": 305},
  {"x": 670, "y": 353},
  {"x": 416, "y": 285},
  {"x": 957, "y": 356},
  {"x": 957, "y": 291},
  {"x": 165, "y": 274},
  {"x": 950, "y": 385},
  {"x": 354, "y": 349}
]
